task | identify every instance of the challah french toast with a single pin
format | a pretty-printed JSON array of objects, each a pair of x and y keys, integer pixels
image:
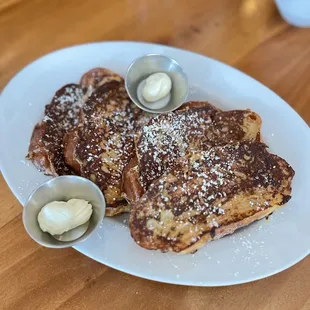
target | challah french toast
[
  {"x": 46, "y": 149},
  {"x": 102, "y": 144},
  {"x": 167, "y": 137},
  {"x": 209, "y": 194}
]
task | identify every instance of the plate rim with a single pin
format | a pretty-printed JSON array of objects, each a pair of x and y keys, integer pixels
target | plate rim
[{"x": 195, "y": 283}]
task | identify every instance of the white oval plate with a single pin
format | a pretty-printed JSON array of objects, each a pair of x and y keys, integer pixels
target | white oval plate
[{"x": 260, "y": 250}]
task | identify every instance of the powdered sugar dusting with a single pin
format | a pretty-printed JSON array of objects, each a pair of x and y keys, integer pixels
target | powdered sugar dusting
[
  {"x": 105, "y": 140},
  {"x": 166, "y": 138},
  {"x": 69, "y": 104}
]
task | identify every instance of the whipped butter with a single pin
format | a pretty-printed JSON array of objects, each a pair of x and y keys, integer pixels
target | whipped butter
[
  {"x": 157, "y": 86},
  {"x": 58, "y": 217}
]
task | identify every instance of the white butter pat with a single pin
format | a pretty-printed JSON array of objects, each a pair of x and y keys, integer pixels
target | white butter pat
[
  {"x": 58, "y": 217},
  {"x": 157, "y": 86}
]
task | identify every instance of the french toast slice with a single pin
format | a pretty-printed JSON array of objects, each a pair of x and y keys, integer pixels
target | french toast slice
[
  {"x": 210, "y": 194},
  {"x": 167, "y": 137},
  {"x": 132, "y": 188},
  {"x": 46, "y": 144},
  {"x": 102, "y": 144},
  {"x": 46, "y": 149}
]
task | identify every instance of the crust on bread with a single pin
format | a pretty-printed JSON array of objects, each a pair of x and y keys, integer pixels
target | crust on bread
[
  {"x": 37, "y": 152},
  {"x": 229, "y": 229}
]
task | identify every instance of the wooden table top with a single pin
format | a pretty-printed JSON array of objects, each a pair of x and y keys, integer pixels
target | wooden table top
[{"x": 248, "y": 34}]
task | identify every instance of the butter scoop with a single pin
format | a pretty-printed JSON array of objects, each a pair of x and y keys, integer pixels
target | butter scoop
[
  {"x": 58, "y": 217},
  {"x": 157, "y": 86}
]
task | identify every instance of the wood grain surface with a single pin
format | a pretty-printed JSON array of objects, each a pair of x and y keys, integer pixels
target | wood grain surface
[{"x": 248, "y": 34}]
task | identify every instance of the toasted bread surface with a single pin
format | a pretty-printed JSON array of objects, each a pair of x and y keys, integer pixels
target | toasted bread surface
[
  {"x": 46, "y": 149},
  {"x": 102, "y": 144},
  {"x": 196, "y": 126},
  {"x": 209, "y": 194}
]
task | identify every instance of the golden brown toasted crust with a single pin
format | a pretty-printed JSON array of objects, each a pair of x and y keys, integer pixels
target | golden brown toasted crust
[
  {"x": 196, "y": 126},
  {"x": 46, "y": 144},
  {"x": 222, "y": 231},
  {"x": 209, "y": 194},
  {"x": 131, "y": 187},
  {"x": 70, "y": 141},
  {"x": 38, "y": 154},
  {"x": 108, "y": 117},
  {"x": 102, "y": 144}
]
